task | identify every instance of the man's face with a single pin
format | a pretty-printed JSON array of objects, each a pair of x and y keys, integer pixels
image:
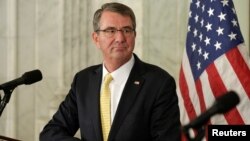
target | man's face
[{"x": 115, "y": 46}]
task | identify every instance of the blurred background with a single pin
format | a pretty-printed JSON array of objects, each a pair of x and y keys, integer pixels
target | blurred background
[{"x": 54, "y": 36}]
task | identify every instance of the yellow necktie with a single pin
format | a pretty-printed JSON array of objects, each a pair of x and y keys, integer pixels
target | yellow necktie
[{"x": 105, "y": 106}]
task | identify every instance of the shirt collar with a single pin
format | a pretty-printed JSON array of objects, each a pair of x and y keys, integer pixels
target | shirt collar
[{"x": 122, "y": 73}]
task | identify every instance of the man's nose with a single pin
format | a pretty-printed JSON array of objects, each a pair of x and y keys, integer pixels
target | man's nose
[{"x": 120, "y": 35}]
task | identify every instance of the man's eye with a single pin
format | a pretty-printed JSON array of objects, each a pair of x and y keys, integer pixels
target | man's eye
[
  {"x": 110, "y": 31},
  {"x": 126, "y": 30}
]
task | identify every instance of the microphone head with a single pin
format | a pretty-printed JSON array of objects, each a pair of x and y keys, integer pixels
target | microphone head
[
  {"x": 227, "y": 101},
  {"x": 32, "y": 77}
]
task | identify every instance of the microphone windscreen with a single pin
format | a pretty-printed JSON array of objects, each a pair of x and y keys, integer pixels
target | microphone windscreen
[
  {"x": 227, "y": 101},
  {"x": 32, "y": 77}
]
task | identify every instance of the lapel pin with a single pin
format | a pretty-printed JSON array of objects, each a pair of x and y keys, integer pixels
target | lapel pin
[{"x": 136, "y": 82}]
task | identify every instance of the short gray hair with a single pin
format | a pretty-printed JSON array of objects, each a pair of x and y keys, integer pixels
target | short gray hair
[{"x": 113, "y": 7}]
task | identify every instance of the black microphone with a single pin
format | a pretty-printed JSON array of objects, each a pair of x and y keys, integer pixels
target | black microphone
[
  {"x": 222, "y": 104},
  {"x": 27, "y": 78}
]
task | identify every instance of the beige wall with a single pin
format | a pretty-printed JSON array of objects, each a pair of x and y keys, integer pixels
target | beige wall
[
  {"x": 54, "y": 36},
  {"x": 242, "y": 9}
]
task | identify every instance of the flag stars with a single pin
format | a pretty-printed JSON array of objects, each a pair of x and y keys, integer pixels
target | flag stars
[
  {"x": 207, "y": 41},
  {"x": 235, "y": 23},
  {"x": 198, "y": 4},
  {"x": 200, "y": 51},
  {"x": 193, "y": 46},
  {"x": 189, "y": 28},
  {"x": 198, "y": 65},
  {"x": 214, "y": 30},
  {"x": 200, "y": 36},
  {"x": 210, "y": 12},
  {"x": 205, "y": 55},
  {"x": 234, "y": 11},
  {"x": 202, "y": 22},
  {"x": 196, "y": 18},
  {"x": 222, "y": 16},
  {"x": 203, "y": 8},
  {"x": 224, "y": 3},
  {"x": 195, "y": 32},
  {"x": 209, "y": 26},
  {"x": 190, "y": 14},
  {"x": 220, "y": 31},
  {"x": 232, "y": 36},
  {"x": 217, "y": 45}
]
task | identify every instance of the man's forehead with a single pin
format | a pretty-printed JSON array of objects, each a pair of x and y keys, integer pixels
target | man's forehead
[{"x": 113, "y": 19}]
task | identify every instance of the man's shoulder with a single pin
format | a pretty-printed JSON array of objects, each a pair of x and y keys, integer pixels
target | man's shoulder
[
  {"x": 90, "y": 69},
  {"x": 148, "y": 67}
]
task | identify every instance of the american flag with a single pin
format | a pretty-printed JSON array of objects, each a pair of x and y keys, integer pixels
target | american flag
[{"x": 215, "y": 61}]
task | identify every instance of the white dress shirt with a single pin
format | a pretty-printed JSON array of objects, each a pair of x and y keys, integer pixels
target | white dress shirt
[{"x": 120, "y": 77}]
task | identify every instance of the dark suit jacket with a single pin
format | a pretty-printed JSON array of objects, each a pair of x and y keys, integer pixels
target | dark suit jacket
[{"x": 147, "y": 111}]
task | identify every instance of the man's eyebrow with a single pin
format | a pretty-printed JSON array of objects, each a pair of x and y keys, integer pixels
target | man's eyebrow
[
  {"x": 127, "y": 27},
  {"x": 111, "y": 27}
]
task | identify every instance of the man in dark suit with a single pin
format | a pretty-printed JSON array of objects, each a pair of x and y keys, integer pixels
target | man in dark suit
[{"x": 143, "y": 102}]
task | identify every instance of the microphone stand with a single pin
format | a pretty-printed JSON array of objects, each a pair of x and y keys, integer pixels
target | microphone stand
[
  {"x": 6, "y": 99},
  {"x": 198, "y": 137}
]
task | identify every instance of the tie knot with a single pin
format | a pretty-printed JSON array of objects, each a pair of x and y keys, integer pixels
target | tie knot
[{"x": 108, "y": 78}]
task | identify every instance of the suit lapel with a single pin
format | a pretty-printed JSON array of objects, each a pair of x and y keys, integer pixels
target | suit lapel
[
  {"x": 94, "y": 101},
  {"x": 128, "y": 97}
]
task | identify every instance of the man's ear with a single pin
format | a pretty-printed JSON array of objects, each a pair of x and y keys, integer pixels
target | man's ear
[{"x": 95, "y": 39}]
